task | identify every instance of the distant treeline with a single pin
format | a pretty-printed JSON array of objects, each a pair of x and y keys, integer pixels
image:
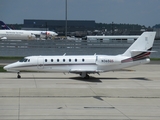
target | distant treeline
[
  {"x": 103, "y": 26},
  {"x": 114, "y": 26},
  {"x": 15, "y": 26},
  {"x": 157, "y": 26}
]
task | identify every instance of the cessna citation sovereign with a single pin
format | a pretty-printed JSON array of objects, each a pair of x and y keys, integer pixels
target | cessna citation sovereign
[{"x": 138, "y": 53}]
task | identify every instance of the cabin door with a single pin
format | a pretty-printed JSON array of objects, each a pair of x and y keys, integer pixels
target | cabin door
[{"x": 40, "y": 63}]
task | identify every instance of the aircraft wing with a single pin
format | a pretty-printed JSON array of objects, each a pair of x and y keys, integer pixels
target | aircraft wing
[
  {"x": 3, "y": 38},
  {"x": 84, "y": 70}
]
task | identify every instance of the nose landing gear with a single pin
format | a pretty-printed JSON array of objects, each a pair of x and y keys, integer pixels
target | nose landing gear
[{"x": 18, "y": 76}]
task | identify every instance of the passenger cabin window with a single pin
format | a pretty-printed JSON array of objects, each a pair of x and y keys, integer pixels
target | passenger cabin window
[
  {"x": 51, "y": 60},
  {"x": 75, "y": 60},
  {"x": 69, "y": 60},
  {"x": 57, "y": 60},
  {"x": 63, "y": 60},
  {"x": 45, "y": 60},
  {"x": 82, "y": 60},
  {"x": 28, "y": 60}
]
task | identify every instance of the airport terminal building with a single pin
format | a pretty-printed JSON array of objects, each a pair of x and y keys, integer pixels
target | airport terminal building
[{"x": 59, "y": 25}]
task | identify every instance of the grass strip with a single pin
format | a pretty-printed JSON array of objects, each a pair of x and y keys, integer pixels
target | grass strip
[
  {"x": 10, "y": 58},
  {"x": 155, "y": 59},
  {"x": 1, "y": 69}
]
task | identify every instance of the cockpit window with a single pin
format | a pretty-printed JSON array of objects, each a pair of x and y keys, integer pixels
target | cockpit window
[
  {"x": 24, "y": 60},
  {"x": 21, "y": 60}
]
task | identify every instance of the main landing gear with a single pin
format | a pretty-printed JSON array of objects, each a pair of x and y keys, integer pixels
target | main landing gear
[
  {"x": 18, "y": 75},
  {"x": 87, "y": 76},
  {"x": 84, "y": 75}
]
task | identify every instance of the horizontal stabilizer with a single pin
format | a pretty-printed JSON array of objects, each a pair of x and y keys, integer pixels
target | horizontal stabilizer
[{"x": 137, "y": 51}]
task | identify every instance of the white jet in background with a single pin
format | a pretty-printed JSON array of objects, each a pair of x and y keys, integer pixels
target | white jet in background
[
  {"x": 8, "y": 33},
  {"x": 138, "y": 53}
]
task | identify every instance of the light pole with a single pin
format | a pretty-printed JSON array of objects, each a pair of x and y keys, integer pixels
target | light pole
[{"x": 66, "y": 21}]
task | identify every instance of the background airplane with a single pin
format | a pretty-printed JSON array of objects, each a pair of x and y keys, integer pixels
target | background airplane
[
  {"x": 129, "y": 38},
  {"x": 4, "y": 26},
  {"x": 8, "y": 33},
  {"x": 138, "y": 53}
]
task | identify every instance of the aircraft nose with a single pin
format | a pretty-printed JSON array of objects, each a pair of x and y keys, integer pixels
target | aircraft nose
[
  {"x": 55, "y": 34},
  {"x": 6, "y": 67},
  {"x": 9, "y": 67}
]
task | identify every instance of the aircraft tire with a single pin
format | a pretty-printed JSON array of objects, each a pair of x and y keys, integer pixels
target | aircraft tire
[
  {"x": 18, "y": 76},
  {"x": 87, "y": 76}
]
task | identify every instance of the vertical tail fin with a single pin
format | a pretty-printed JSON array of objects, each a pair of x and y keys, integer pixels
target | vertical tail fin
[
  {"x": 4, "y": 26},
  {"x": 142, "y": 46}
]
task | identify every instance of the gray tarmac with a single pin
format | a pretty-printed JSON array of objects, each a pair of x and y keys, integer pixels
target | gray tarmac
[{"x": 131, "y": 94}]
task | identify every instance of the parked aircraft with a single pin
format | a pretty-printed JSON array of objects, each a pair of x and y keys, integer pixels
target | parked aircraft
[
  {"x": 4, "y": 26},
  {"x": 129, "y": 38},
  {"x": 8, "y": 33},
  {"x": 138, "y": 53}
]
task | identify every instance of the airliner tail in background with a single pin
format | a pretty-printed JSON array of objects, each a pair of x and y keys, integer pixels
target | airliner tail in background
[{"x": 4, "y": 26}]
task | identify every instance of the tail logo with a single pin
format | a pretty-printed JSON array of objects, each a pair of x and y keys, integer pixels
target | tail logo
[{"x": 140, "y": 56}]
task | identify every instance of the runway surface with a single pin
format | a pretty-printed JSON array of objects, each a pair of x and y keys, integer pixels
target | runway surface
[{"x": 133, "y": 94}]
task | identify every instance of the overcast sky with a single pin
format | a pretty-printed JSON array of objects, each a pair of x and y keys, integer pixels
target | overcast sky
[{"x": 143, "y": 12}]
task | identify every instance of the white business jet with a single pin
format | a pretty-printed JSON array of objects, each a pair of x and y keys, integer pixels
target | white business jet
[
  {"x": 138, "y": 53},
  {"x": 8, "y": 33}
]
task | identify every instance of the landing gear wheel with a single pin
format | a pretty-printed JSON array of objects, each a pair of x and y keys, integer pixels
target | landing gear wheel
[
  {"x": 87, "y": 76},
  {"x": 84, "y": 75},
  {"x": 18, "y": 76}
]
